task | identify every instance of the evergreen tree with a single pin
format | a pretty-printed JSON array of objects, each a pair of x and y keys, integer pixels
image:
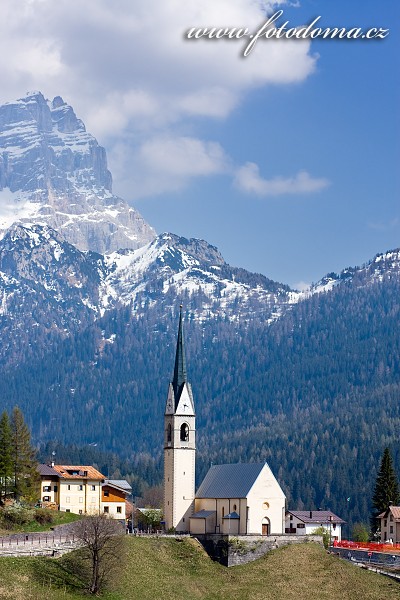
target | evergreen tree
[
  {"x": 24, "y": 466},
  {"x": 386, "y": 487},
  {"x": 6, "y": 470}
]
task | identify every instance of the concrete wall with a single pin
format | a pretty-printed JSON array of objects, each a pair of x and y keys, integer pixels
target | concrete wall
[{"x": 239, "y": 550}]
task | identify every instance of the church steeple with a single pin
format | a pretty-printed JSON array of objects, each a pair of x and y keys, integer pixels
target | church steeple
[
  {"x": 180, "y": 374},
  {"x": 179, "y": 444}
]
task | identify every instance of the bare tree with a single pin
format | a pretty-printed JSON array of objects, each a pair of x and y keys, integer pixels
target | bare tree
[{"x": 103, "y": 547}]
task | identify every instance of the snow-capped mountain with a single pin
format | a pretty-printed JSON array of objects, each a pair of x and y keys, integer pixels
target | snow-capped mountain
[
  {"x": 382, "y": 266},
  {"x": 172, "y": 267},
  {"x": 37, "y": 262},
  {"x": 52, "y": 171}
]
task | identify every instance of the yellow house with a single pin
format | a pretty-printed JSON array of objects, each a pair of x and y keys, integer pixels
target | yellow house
[
  {"x": 71, "y": 488},
  {"x": 81, "y": 489}
]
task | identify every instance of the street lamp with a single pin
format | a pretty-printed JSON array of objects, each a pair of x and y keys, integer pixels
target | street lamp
[{"x": 330, "y": 529}]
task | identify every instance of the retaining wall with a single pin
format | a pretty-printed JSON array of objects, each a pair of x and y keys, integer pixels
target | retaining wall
[{"x": 239, "y": 550}]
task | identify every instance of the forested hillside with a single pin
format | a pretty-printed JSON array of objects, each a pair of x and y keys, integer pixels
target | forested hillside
[{"x": 316, "y": 393}]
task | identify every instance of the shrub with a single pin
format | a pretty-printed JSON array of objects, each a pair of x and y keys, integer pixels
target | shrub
[
  {"x": 325, "y": 535},
  {"x": 43, "y": 516},
  {"x": 360, "y": 532},
  {"x": 16, "y": 515}
]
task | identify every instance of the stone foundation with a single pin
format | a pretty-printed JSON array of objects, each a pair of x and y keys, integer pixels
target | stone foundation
[{"x": 239, "y": 550}]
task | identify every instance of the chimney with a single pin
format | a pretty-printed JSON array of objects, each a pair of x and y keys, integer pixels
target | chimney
[
  {"x": 52, "y": 463},
  {"x": 310, "y": 514}
]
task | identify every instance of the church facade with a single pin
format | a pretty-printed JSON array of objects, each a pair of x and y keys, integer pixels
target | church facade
[{"x": 233, "y": 499}]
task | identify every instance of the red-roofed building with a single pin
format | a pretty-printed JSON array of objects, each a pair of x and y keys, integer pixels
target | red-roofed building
[{"x": 81, "y": 489}]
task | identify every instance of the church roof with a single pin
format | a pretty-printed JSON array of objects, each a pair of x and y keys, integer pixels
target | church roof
[
  {"x": 203, "y": 514},
  {"x": 232, "y": 515},
  {"x": 229, "y": 481},
  {"x": 180, "y": 374}
]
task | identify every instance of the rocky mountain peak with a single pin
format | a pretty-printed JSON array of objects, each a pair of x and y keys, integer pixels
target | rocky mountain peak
[{"x": 53, "y": 171}]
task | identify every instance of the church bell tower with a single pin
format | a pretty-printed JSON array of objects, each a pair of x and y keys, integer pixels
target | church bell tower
[{"x": 179, "y": 444}]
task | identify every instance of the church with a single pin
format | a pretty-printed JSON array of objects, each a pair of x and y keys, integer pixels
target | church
[{"x": 233, "y": 499}]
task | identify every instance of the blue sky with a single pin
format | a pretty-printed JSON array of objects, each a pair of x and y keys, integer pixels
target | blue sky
[{"x": 287, "y": 160}]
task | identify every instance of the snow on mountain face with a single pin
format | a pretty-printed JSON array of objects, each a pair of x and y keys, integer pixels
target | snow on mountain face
[
  {"x": 381, "y": 267},
  {"x": 37, "y": 258},
  {"x": 172, "y": 269},
  {"x": 43, "y": 277},
  {"x": 52, "y": 171}
]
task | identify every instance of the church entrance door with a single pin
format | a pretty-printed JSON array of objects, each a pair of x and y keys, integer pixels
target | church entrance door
[{"x": 265, "y": 529}]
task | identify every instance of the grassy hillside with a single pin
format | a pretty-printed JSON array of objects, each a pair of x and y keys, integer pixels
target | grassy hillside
[{"x": 175, "y": 570}]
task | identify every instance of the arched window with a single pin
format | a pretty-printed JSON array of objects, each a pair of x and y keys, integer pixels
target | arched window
[
  {"x": 169, "y": 432},
  {"x": 184, "y": 432}
]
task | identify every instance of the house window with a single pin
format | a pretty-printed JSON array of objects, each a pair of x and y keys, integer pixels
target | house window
[
  {"x": 46, "y": 498},
  {"x": 56, "y": 488},
  {"x": 106, "y": 493},
  {"x": 67, "y": 499},
  {"x": 391, "y": 529},
  {"x": 67, "y": 510},
  {"x": 80, "y": 511},
  {"x": 119, "y": 509},
  {"x": 223, "y": 511},
  {"x": 68, "y": 487},
  {"x": 169, "y": 432},
  {"x": 93, "y": 488},
  {"x": 47, "y": 488},
  {"x": 385, "y": 523},
  {"x": 80, "y": 487},
  {"x": 391, "y": 518},
  {"x": 80, "y": 499},
  {"x": 106, "y": 509},
  {"x": 291, "y": 517},
  {"x": 184, "y": 432},
  {"x": 234, "y": 507},
  {"x": 300, "y": 525}
]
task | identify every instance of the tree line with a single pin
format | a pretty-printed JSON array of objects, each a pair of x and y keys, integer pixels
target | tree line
[{"x": 18, "y": 466}]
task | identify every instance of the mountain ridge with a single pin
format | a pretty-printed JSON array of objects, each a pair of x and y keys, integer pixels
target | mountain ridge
[{"x": 52, "y": 171}]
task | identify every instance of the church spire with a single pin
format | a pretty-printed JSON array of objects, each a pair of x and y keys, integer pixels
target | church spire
[{"x": 180, "y": 375}]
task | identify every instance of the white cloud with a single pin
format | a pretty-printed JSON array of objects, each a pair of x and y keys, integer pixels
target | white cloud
[
  {"x": 167, "y": 163},
  {"x": 132, "y": 77},
  {"x": 122, "y": 53},
  {"x": 248, "y": 179}
]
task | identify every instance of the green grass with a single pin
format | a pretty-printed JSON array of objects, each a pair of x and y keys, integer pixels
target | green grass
[
  {"x": 167, "y": 569},
  {"x": 59, "y": 518}
]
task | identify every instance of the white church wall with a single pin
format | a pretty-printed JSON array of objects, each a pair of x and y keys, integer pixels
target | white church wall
[{"x": 266, "y": 504}]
